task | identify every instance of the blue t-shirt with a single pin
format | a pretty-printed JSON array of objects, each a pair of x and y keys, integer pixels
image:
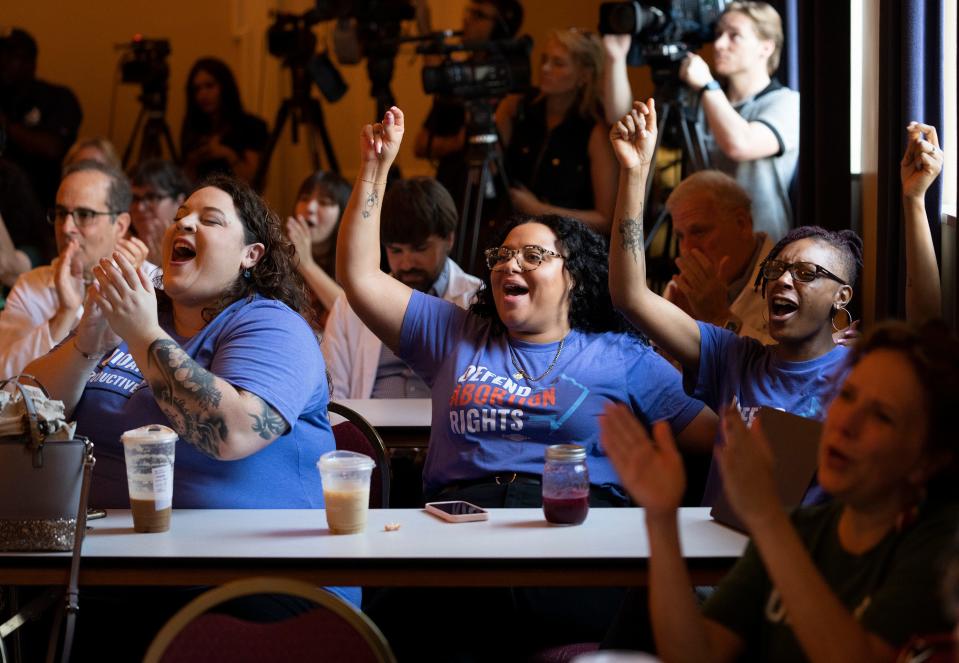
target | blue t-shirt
[
  {"x": 731, "y": 365},
  {"x": 486, "y": 421},
  {"x": 261, "y": 346}
]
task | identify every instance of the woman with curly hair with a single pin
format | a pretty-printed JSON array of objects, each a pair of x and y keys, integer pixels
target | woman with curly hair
[
  {"x": 226, "y": 360},
  {"x": 531, "y": 364},
  {"x": 218, "y": 136}
]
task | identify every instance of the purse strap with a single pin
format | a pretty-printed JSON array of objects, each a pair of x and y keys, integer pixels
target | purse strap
[
  {"x": 73, "y": 590},
  {"x": 37, "y": 432}
]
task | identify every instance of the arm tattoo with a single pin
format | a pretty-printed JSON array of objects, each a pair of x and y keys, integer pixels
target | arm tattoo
[
  {"x": 268, "y": 424},
  {"x": 188, "y": 396},
  {"x": 631, "y": 235},
  {"x": 371, "y": 201}
]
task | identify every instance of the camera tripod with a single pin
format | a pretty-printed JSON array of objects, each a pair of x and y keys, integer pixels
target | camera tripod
[
  {"x": 152, "y": 128},
  {"x": 299, "y": 108},
  {"x": 485, "y": 173}
]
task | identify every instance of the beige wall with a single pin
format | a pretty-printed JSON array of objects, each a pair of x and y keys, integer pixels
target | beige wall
[{"x": 77, "y": 41}]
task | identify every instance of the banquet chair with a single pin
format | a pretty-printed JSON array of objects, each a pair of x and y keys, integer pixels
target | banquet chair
[
  {"x": 357, "y": 434},
  {"x": 332, "y": 631}
]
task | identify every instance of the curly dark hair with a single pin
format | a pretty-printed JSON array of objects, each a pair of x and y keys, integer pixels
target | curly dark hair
[
  {"x": 933, "y": 352},
  {"x": 275, "y": 275},
  {"x": 586, "y": 258},
  {"x": 846, "y": 242}
]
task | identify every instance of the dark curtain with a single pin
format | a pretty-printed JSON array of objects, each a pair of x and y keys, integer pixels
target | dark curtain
[
  {"x": 821, "y": 31},
  {"x": 910, "y": 88}
]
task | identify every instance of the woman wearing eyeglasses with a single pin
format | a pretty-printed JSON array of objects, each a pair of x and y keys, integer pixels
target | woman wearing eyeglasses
[
  {"x": 807, "y": 280},
  {"x": 531, "y": 364}
]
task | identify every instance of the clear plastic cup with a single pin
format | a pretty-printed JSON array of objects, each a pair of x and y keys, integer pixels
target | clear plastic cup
[
  {"x": 149, "y": 452},
  {"x": 346, "y": 489}
]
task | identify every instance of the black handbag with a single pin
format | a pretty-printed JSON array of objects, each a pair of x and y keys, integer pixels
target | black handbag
[{"x": 44, "y": 486}]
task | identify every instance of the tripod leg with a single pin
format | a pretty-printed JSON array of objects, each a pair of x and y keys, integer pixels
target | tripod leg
[
  {"x": 663, "y": 116},
  {"x": 484, "y": 178},
  {"x": 319, "y": 124},
  {"x": 168, "y": 139},
  {"x": 465, "y": 217},
  {"x": 259, "y": 180},
  {"x": 133, "y": 137}
]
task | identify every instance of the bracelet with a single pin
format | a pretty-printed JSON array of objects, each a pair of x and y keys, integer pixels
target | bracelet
[
  {"x": 373, "y": 182},
  {"x": 86, "y": 355}
]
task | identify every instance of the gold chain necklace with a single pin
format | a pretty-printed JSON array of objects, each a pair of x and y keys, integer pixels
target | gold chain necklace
[{"x": 521, "y": 372}]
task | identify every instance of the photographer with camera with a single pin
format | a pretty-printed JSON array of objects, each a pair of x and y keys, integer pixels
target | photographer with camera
[
  {"x": 443, "y": 135},
  {"x": 557, "y": 156},
  {"x": 751, "y": 121},
  {"x": 218, "y": 136}
]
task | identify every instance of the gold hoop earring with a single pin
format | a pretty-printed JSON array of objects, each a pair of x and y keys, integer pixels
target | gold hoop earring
[{"x": 841, "y": 308}]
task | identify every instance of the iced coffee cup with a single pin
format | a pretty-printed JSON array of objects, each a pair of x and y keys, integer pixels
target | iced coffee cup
[
  {"x": 149, "y": 453},
  {"x": 346, "y": 489}
]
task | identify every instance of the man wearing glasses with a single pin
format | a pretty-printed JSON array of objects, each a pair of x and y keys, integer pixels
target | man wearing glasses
[{"x": 90, "y": 220}]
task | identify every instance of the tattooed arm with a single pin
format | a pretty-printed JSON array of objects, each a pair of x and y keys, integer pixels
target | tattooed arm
[
  {"x": 379, "y": 299},
  {"x": 634, "y": 142},
  {"x": 218, "y": 419}
]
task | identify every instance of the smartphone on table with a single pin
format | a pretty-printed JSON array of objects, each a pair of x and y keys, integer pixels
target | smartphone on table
[{"x": 457, "y": 511}]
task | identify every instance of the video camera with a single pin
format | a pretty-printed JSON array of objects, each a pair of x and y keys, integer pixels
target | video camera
[
  {"x": 144, "y": 62},
  {"x": 497, "y": 68},
  {"x": 664, "y": 31}
]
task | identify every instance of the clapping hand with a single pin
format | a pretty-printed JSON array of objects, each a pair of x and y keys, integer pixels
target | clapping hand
[
  {"x": 922, "y": 162},
  {"x": 634, "y": 136},
  {"x": 651, "y": 468},
  {"x": 68, "y": 278},
  {"x": 127, "y": 299},
  {"x": 298, "y": 232},
  {"x": 746, "y": 466}
]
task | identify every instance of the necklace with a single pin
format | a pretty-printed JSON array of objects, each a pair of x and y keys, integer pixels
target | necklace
[{"x": 521, "y": 371}]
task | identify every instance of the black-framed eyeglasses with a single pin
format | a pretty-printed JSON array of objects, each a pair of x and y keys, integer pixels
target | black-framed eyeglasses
[
  {"x": 801, "y": 271},
  {"x": 529, "y": 257},
  {"x": 150, "y": 199},
  {"x": 82, "y": 216}
]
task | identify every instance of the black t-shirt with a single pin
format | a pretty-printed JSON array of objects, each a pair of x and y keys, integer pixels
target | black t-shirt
[
  {"x": 247, "y": 133},
  {"x": 892, "y": 590},
  {"x": 553, "y": 164},
  {"x": 44, "y": 107}
]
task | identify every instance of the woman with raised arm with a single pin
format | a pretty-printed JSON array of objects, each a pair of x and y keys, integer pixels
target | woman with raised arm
[
  {"x": 531, "y": 364},
  {"x": 807, "y": 279},
  {"x": 850, "y": 580}
]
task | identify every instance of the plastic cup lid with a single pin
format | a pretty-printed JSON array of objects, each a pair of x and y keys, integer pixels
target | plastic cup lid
[
  {"x": 149, "y": 433},
  {"x": 339, "y": 461}
]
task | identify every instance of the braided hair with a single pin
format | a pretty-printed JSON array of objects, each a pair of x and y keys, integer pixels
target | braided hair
[{"x": 846, "y": 242}]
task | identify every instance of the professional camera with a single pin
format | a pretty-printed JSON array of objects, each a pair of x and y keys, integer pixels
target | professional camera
[
  {"x": 144, "y": 62},
  {"x": 664, "y": 31},
  {"x": 496, "y": 69},
  {"x": 290, "y": 37}
]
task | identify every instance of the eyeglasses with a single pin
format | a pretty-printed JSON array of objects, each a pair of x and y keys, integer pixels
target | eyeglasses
[
  {"x": 82, "y": 216},
  {"x": 801, "y": 271},
  {"x": 529, "y": 257},
  {"x": 150, "y": 199}
]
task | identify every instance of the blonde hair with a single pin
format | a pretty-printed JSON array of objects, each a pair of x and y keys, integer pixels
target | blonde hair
[
  {"x": 722, "y": 193},
  {"x": 767, "y": 23},
  {"x": 99, "y": 143},
  {"x": 586, "y": 50}
]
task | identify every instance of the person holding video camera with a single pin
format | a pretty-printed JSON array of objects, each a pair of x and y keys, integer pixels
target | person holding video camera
[
  {"x": 443, "y": 135},
  {"x": 751, "y": 120},
  {"x": 557, "y": 156}
]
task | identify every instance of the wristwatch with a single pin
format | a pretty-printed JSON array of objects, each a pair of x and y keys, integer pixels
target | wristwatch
[{"x": 711, "y": 85}]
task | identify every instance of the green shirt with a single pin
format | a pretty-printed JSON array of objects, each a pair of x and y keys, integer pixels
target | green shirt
[{"x": 893, "y": 589}]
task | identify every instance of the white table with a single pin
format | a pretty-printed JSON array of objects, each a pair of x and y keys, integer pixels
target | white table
[
  {"x": 515, "y": 547},
  {"x": 401, "y": 422}
]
